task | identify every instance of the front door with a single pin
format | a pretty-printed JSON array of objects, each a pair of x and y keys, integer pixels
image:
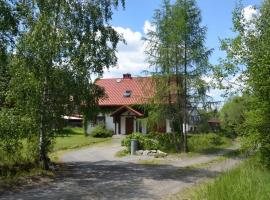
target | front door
[{"x": 129, "y": 125}]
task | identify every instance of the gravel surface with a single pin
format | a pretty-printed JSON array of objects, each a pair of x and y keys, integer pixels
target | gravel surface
[{"x": 94, "y": 173}]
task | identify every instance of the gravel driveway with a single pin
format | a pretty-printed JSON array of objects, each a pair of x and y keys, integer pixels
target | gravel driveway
[{"x": 94, "y": 173}]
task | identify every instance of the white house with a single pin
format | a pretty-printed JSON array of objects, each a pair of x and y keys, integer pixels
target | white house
[{"x": 121, "y": 109}]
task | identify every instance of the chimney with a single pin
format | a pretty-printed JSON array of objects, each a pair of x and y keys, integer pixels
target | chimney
[{"x": 127, "y": 76}]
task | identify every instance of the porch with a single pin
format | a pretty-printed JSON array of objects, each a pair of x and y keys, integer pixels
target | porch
[{"x": 127, "y": 120}]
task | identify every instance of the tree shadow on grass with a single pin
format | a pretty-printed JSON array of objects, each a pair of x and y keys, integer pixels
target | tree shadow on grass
[{"x": 113, "y": 180}]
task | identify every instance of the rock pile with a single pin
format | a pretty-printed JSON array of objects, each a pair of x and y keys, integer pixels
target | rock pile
[{"x": 155, "y": 153}]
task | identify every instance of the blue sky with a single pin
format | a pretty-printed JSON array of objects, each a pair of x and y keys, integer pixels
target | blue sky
[{"x": 132, "y": 22}]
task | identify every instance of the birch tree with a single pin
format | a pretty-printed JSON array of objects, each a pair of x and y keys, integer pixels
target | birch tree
[
  {"x": 61, "y": 45},
  {"x": 248, "y": 59}
]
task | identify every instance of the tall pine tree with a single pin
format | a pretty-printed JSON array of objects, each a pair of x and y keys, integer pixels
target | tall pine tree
[{"x": 176, "y": 50}]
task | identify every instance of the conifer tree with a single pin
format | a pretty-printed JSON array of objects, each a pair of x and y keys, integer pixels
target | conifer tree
[{"x": 176, "y": 49}]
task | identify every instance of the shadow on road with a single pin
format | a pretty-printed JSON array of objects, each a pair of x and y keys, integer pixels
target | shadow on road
[{"x": 113, "y": 180}]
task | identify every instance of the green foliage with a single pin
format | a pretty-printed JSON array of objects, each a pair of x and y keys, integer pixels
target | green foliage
[
  {"x": 69, "y": 131},
  {"x": 259, "y": 72},
  {"x": 59, "y": 46},
  {"x": 145, "y": 142},
  {"x": 232, "y": 115},
  {"x": 249, "y": 181},
  {"x": 122, "y": 153},
  {"x": 100, "y": 131},
  {"x": 207, "y": 142},
  {"x": 8, "y": 30},
  {"x": 176, "y": 50},
  {"x": 250, "y": 48},
  {"x": 205, "y": 116},
  {"x": 13, "y": 129},
  {"x": 166, "y": 142}
]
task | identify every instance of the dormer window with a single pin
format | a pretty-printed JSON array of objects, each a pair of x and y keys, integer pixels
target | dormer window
[{"x": 127, "y": 93}]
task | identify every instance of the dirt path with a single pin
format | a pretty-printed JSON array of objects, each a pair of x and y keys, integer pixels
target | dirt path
[{"x": 94, "y": 173}]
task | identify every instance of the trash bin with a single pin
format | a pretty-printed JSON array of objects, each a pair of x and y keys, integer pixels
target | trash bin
[{"x": 133, "y": 146}]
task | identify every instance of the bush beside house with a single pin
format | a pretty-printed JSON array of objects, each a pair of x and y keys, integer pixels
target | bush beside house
[
  {"x": 100, "y": 131},
  {"x": 166, "y": 142},
  {"x": 144, "y": 141}
]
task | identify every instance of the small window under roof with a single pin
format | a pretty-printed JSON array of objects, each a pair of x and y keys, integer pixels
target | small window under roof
[
  {"x": 118, "y": 80},
  {"x": 127, "y": 93}
]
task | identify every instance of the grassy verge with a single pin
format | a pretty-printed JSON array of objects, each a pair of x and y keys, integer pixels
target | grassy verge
[
  {"x": 204, "y": 144},
  {"x": 249, "y": 181},
  {"x": 24, "y": 177},
  {"x": 228, "y": 155},
  {"x": 207, "y": 143},
  {"x": 122, "y": 153},
  {"x": 14, "y": 170}
]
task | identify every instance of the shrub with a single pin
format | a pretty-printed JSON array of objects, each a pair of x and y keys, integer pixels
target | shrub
[
  {"x": 144, "y": 141},
  {"x": 167, "y": 142},
  {"x": 197, "y": 143},
  {"x": 100, "y": 131}
]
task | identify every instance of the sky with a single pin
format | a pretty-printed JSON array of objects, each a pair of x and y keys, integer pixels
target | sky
[{"x": 134, "y": 21}]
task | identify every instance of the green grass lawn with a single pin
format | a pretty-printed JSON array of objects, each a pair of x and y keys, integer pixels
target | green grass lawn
[{"x": 72, "y": 138}]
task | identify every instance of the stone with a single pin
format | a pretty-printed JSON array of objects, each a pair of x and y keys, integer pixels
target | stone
[
  {"x": 161, "y": 153},
  {"x": 145, "y": 153},
  {"x": 140, "y": 152},
  {"x": 154, "y": 151}
]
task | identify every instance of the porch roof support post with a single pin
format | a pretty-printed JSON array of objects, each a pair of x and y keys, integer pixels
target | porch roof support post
[
  {"x": 114, "y": 120},
  {"x": 119, "y": 125},
  {"x": 136, "y": 127}
]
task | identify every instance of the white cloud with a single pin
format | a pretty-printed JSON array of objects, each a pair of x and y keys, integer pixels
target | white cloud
[
  {"x": 131, "y": 56},
  {"x": 234, "y": 84},
  {"x": 249, "y": 13},
  {"x": 148, "y": 27},
  {"x": 132, "y": 59}
]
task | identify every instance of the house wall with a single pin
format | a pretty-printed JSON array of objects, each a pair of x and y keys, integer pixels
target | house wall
[
  {"x": 187, "y": 127},
  {"x": 90, "y": 127},
  {"x": 109, "y": 122},
  {"x": 168, "y": 126},
  {"x": 110, "y": 125}
]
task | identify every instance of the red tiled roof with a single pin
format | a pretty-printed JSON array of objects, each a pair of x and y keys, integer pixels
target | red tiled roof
[{"x": 141, "y": 89}]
